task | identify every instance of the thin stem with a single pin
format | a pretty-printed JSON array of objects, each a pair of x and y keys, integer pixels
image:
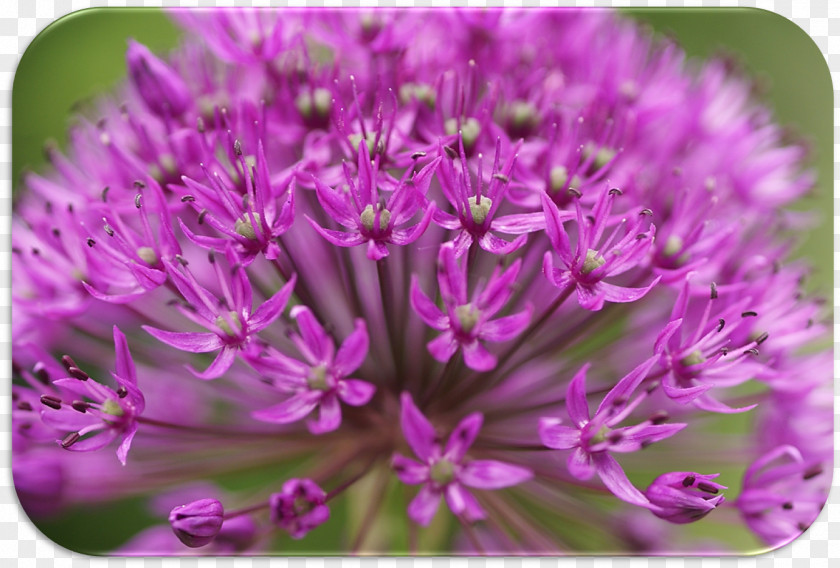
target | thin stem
[{"x": 370, "y": 513}]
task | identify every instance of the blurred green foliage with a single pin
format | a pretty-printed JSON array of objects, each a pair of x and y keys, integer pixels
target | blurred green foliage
[{"x": 82, "y": 56}]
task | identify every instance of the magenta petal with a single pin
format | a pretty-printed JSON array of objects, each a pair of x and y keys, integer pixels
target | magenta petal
[
  {"x": 219, "y": 366},
  {"x": 463, "y": 503},
  {"x": 591, "y": 297},
  {"x": 124, "y": 363},
  {"x": 409, "y": 471},
  {"x": 271, "y": 309},
  {"x": 291, "y": 410},
  {"x": 423, "y": 507},
  {"x": 425, "y": 308},
  {"x": 616, "y": 480},
  {"x": 101, "y": 438},
  {"x": 506, "y": 328},
  {"x": 316, "y": 340},
  {"x": 612, "y": 293},
  {"x": 627, "y": 385},
  {"x": 633, "y": 438},
  {"x": 417, "y": 430},
  {"x": 355, "y": 392},
  {"x": 495, "y": 245},
  {"x": 492, "y": 474},
  {"x": 376, "y": 250},
  {"x": 334, "y": 204},
  {"x": 463, "y": 437},
  {"x": 443, "y": 347},
  {"x": 451, "y": 277},
  {"x": 576, "y": 404},
  {"x": 122, "y": 451},
  {"x": 338, "y": 238},
  {"x": 477, "y": 358},
  {"x": 554, "y": 228},
  {"x": 556, "y": 436},
  {"x": 580, "y": 464},
  {"x": 519, "y": 223},
  {"x": 186, "y": 341},
  {"x": 353, "y": 351},
  {"x": 329, "y": 416}
]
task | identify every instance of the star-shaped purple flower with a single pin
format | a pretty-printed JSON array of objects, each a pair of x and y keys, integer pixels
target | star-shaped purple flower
[
  {"x": 467, "y": 322},
  {"x": 445, "y": 471},
  {"x": 591, "y": 439},
  {"x": 319, "y": 382}
]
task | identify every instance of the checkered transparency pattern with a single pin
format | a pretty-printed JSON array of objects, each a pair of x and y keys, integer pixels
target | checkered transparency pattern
[{"x": 22, "y": 20}]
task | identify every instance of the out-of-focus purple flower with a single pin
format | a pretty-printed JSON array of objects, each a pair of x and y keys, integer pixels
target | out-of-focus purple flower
[
  {"x": 196, "y": 524},
  {"x": 592, "y": 439},
  {"x": 591, "y": 261},
  {"x": 782, "y": 494},
  {"x": 161, "y": 88},
  {"x": 359, "y": 209},
  {"x": 445, "y": 471},
  {"x": 233, "y": 321},
  {"x": 684, "y": 497},
  {"x": 467, "y": 322},
  {"x": 319, "y": 382},
  {"x": 111, "y": 414},
  {"x": 299, "y": 507}
]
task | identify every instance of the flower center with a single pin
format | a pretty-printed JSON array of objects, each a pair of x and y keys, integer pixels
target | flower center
[
  {"x": 593, "y": 260},
  {"x": 470, "y": 129},
  {"x": 112, "y": 407},
  {"x": 368, "y": 218},
  {"x": 479, "y": 209},
  {"x": 600, "y": 436},
  {"x": 673, "y": 245},
  {"x": 467, "y": 315},
  {"x": 147, "y": 255},
  {"x": 694, "y": 358},
  {"x": 319, "y": 101},
  {"x": 442, "y": 472},
  {"x": 245, "y": 228},
  {"x": 225, "y": 326},
  {"x": 317, "y": 379}
]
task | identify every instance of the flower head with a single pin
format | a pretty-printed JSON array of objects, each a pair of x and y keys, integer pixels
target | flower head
[
  {"x": 196, "y": 524},
  {"x": 299, "y": 507},
  {"x": 684, "y": 497}
]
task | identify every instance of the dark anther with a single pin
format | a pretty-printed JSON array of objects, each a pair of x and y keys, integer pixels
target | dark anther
[
  {"x": 105, "y": 193},
  {"x": 139, "y": 184},
  {"x": 201, "y": 216},
  {"x": 80, "y": 406},
  {"x": 450, "y": 152},
  {"x": 812, "y": 473},
  {"x": 752, "y": 350},
  {"x": 25, "y": 426},
  {"x": 703, "y": 486},
  {"x": 809, "y": 324},
  {"x": 235, "y": 268},
  {"x": 803, "y": 526},
  {"x": 181, "y": 260},
  {"x": 574, "y": 192},
  {"x": 137, "y": 200},
  {"x": 399, "y": 468},
  {"x": 56, "y": 232},
  {"x": 620, "y": 400},
  {"x": 787, "y": 506},
  {"x": 714, "y": 293},
  {"x": 615, "y": 437},
  {"x": 267, "y": 380},
  {"x": 762, "y": 338},
  {"x": 647, "y": 212},
  {"x": 689, "y": 481},
  {"x": 68, "y": 362},
  {"x": 187, "y": 198},
  {"x": 51, "y": 401},
  {"x": 23, "y": 405},
  {"x": 652, "y": 387},
  {"x": 90, "y": 242},
  {"x": 615, "y": 191},
  {"x": 645, "y": 444},
  {"x": 641, "y": 236},
  {"x": 70, "y": 439},
  {"x": 109, "y": 230},
  {"x": 69, "y": 207},
  {"x": 122, "y": 392},
  {"x": 659, "y": 417},
  {"x": 77, "y": 373},
  {"x": 418, "y": 155},
  {"x": 591, "y": 219},
  {"x": 199, "y": 124},
  {"x": 36, "y": 251},
  {"x": 721, "y": 323},
  {"x": 724, "y": 351},
  {"x": 42, "y": 375},
  {"x": 211, "y": 257},
  {"x": 748, "y": 314},
  {"x": 237, "y": 147},
  {"x": 501, "y": 177}
]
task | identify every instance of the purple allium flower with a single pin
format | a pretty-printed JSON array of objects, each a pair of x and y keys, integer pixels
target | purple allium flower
[
  {"x": 467, "y": 322},
  {"x": 549, "y": 197},
  {"x": 108, "y": 414},
  {"x": 445, "y": 471},
  {"x": 299, "y": 507},
  {"x": 321, "y": 381},
  {"x": 684, "y": 497},
  {"x": 196, "y": 524},
  {"x": 593, "y": 438}
]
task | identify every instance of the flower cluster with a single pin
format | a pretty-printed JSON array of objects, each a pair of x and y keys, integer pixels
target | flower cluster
[{"x": 373, "y": 262}]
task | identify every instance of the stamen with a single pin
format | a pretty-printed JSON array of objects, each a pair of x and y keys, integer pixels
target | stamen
[
  {"x": 90, "y": 242},
  {"x": 714, "y": 293},
  {"x": 762, "y": 338},
  {"x": 787, "y": 506},
  {"x": 68, "y": 362},
  {"x": 77, "y": 373},
  {"x": 51, "y": 401},
  {"x": 721, "y": 323},
  {"x": 689, "y": 481},
  {"x": 418, "y": 155},
  {"x": 80, "y": 406},
  {"x": 24, "y": 405},
  {"x": 70, "y": 439},
  {"x": 122, "y": 392},
  {"x": 659, "y": 417},
  {"x": 187, "y": 199},
  {"x": 748, "y": 314},
  {"x": 812, "y": 473},
  {"x": 707, "y": 488}
]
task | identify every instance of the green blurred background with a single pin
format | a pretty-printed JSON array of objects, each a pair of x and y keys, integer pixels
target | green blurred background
[{"x": 82, "y": 55}]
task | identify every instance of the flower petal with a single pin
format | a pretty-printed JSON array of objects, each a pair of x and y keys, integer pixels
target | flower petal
[
  {"x": 463, "y": 436},
  {"x": 186, "y": 341},
  {"x": 576, "y": 404},
  {"x": 355, "y": 392},
  {"x": 409, "y": 471},
  {"x": 443, "y": 347},
  {"x": 556, "y": 436},
  {"x": 124, "y": 366},
  {"x": 506, "y": 328},
  {"x": 122, "y": 451},
  {"x": 329, "y": 416},
  {"x": 353, "y": 351},
  {"x": 423, "y": 507},
  {"x": 219, "y": 366},
  {"x": 477, "y": 358},
  {"x": 291, "y": 410},
  {"x": 417, "y": 430},
  {"x": 425, "y": 308},
  {"x": 580, "y": 464},
  {"x": 492, "y": 474},
  {"x": 271, "y": 309},
  {"x": 616, "y": 480}
]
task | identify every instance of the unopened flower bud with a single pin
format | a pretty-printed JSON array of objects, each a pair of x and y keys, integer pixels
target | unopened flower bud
[
  {"x": 299, "y": 507},
  {"x": 684, "y": 497},
  {"x": 161, "y": 88},
  {"x": 196, "y": 524}
]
